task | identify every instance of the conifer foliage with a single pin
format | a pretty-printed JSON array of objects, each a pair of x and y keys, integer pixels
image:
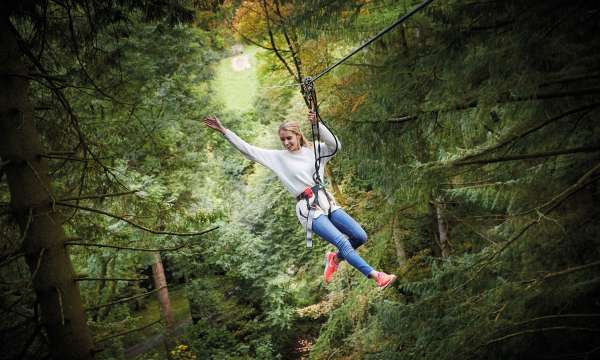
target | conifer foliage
[{"x": 470, "y": 155}]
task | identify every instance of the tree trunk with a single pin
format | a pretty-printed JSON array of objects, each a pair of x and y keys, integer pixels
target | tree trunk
[
  {"x": 160, "y": 281},
  {"x": 398, "y": 236},
  {"x": 53, "y": 277},
  {"x": 442, "y": 225}
]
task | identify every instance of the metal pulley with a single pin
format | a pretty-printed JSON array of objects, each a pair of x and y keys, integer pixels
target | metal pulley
[{"x": 308, "y": 91}]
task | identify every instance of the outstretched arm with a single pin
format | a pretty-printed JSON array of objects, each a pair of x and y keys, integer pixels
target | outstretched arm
[{"x": 262, "y": 156}]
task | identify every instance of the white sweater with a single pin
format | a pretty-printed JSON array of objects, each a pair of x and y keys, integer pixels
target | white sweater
[{"x": 293, "y": 168}]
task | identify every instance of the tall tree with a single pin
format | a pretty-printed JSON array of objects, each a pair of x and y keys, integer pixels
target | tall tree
[
  {"x": 55, "y": 54},
  {"x": 160, "y": 283},
  {"x": 32, "y": 203}
]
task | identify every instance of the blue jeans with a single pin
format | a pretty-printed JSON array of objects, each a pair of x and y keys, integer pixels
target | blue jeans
[{"x": 343, "y": 232}]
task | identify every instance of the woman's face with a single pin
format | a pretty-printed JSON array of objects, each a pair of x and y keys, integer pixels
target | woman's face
[{"x": 289, "y": 140}]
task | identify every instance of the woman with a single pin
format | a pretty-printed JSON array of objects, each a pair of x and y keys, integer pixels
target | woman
[{"x": 295, "y": 167}]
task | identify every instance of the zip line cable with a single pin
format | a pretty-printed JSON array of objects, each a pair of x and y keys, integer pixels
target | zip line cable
[
  {"x": 307, "y": 88},
  {"x": 374, "y": 38}
]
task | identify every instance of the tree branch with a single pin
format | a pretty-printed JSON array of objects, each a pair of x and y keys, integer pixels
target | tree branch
[
  {"x": 558, "y": 316},
  {"x": 131, "y": 222},
  {"x": 78, "y": 243},
  {"x": 570, "y": 79},
  {"x": 582, "y": 149},
  {"x": 12, "y": 258},
  {"x": 531, "y": 130},
  {"x": 532, "y": 331},
  {"x": 553, "y": 204},
  {"x": 295, "y": 58},
  {"x": 253, "y": 42},
  {"x": 62, "y": 99},
  {"x": 147, "y": 293},
  {"x": 271, "y": 38},
  {"x": 59, "y": 157},
  {"x": 571, "y": 270},
  {"x": 99, "y": 196},
  {"x": 128, "y": 331},
  {"x": 109, "y": 279}
]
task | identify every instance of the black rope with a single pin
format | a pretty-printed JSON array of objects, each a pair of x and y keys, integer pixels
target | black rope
[
  {"x": 310, "y": 97},
  {"x": 377, "y": 36}
]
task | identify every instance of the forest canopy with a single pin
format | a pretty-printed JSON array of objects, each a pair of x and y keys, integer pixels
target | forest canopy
[{"x": 130, "y": 230}]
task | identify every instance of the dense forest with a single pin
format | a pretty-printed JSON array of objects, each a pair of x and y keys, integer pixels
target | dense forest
[{"x": 470, "y": 154}]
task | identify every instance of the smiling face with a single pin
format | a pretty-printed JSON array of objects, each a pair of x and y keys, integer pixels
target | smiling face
[{"x": 289, "y": 140}]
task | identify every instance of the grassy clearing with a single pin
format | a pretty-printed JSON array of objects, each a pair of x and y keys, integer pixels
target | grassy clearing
[{"x": 236, "y": 89}]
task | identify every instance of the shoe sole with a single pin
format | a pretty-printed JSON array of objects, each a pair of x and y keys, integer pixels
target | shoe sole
[{"x": 394, "y": 277}]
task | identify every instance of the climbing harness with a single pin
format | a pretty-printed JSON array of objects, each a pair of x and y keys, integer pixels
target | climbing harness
[
  {"x": 307, "y": 194},
  {"x": 307, "y": 88}
]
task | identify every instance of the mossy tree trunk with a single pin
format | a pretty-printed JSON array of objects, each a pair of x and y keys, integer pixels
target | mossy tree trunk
[
  {"x": 160, "y": 282},
  {"x": 53, "y": 277}
]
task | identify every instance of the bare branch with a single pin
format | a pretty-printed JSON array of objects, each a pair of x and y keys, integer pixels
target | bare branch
[
  {"x": 551, "y": 205},
  {"x": 125, "y": 299},
  {"x": 253, "y": 42},
  {"x": 83, "y": 69},
  {"x": 272, "y": 39},
  {"x": 295, "y": 57},
  {"x": 57, "y": 153},
  {"x": 573, "y": 93},
  {"x": 532, "y": 129},
  {"x": 12, "y": 258},
  {"x": 77, "y": 243},
  {"x": 99, "y": 196},
  {"x": 131, "y": 222},
  {"x": 532, "y": 331},
  {"x": 62, "y": 99},
  {"x": 33, "y": 275},
  {"x": 583, "y": 149},
  {"x": 109, "y": 279},
  {"x": 128, "y": 331},
  {"x": 571, "y": 79},
  {"x": 558, "y": 316},
  {"x": 570, "y": 270},
  {"x": 400, "y": 119},
  {"x": 68, "y": 158}
]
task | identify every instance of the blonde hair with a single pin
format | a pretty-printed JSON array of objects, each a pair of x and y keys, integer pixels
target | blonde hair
[{"x": 294, "y": 127}]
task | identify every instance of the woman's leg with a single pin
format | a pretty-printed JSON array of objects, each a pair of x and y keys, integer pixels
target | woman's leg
[
  {"x": 323, "y": 227},
  {"x": 347, "y": 225}
]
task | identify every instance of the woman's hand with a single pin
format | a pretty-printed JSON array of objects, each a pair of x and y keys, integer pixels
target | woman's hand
[
  {"x": 312, "y": 117},
  {"x": 214, "y": 123}
]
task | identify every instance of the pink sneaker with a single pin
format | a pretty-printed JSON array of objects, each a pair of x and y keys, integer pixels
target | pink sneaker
[
  {"x": 331, "y": 267},
  {"x": 383, "y": 280}
]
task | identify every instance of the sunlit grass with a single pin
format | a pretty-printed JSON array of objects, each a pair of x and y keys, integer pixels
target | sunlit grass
[{"x": 236, "y": 89}]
